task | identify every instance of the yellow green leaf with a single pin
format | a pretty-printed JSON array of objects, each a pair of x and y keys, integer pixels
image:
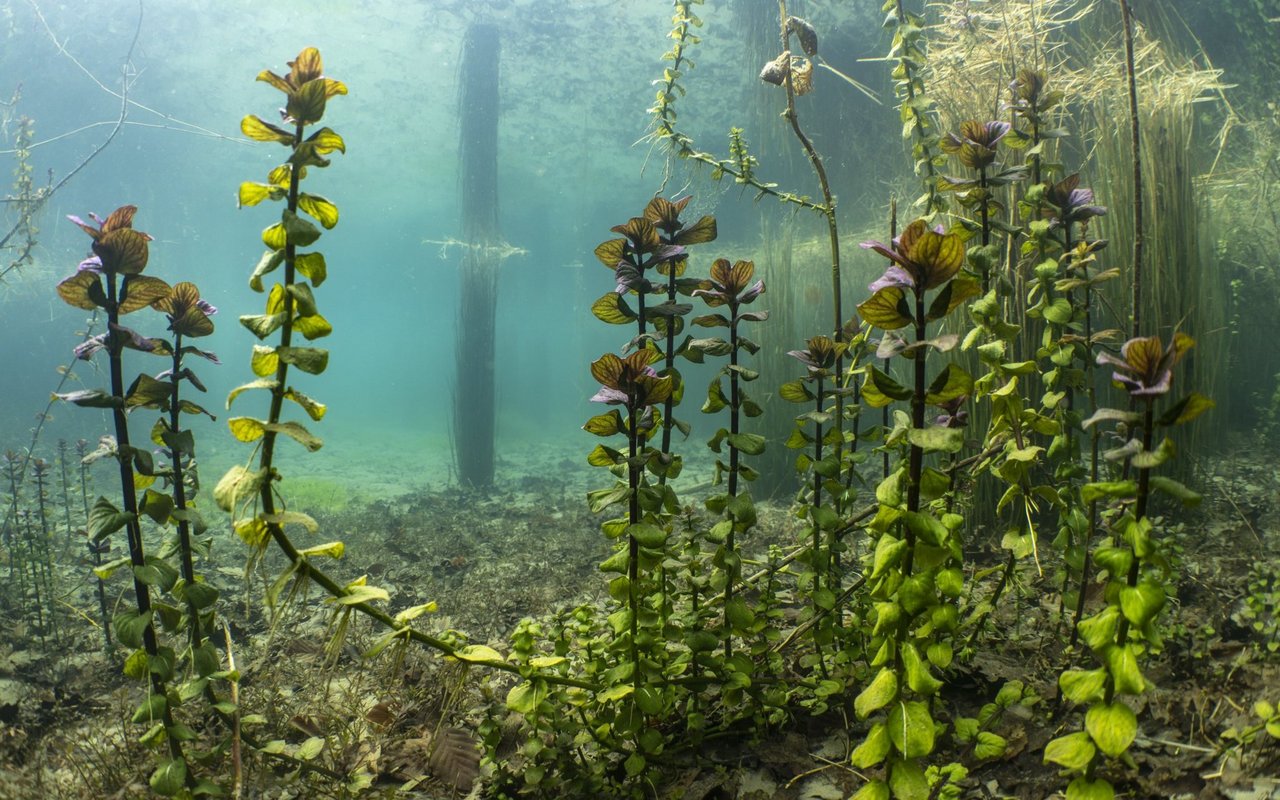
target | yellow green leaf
[
  {"x": 324, "y": 211},
  {"x": 274, "y": 237},
  {"x": 261, "y": 131},
  {"x": 874, "y": 748},
  {"x": 253, "y": 532},
  {"x": 478, "y": 654},
  {"x": 313, "y": 326},
  {"x": 878, "y": 694},
  {"x": 253, "y": 193},
  {"x": 325, "y": 140},
  {"x": 141, "y": 291},
  {"x": 314, "y": 408},
  {"x": 1073, "y": 751},
  {"x": 362, "y": 594},
  {"x": 80, "y": 290},
  {"x": 264, "y": 360},
  {"x": 886, "y": 309},
  {"x": 312, "y": 266},
  {"x": 246, "y": 429},
  {"x": 237, "y": 484},
  {"x": 283, "y": 518},
  {"x": 261, "y": 383},
  {"x": 306, "y": 103},
  {"x": 611, "y": 308},
  {"x": 413, "y": 612},
  {"x": 1112, "y": 727},
  {"x": 280, "y": 176},
  {"x": 293, "y": 430}
]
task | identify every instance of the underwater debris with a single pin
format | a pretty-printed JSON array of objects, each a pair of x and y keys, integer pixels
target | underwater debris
[
  {"x": 775, "y": 71},
  {"x": 501, "y": 251},
  {"x": 800, "y": 69},
  {"x": 805, "y": 33}
]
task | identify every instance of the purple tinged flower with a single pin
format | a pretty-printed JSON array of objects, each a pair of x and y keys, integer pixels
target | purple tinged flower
[
  {"x": 731, "y": 283},
  {"x": 893, "y": 276},
  {"x": 975, "y": 145},
  {"x": 613, "y": 397},
  {"x": 91, "y": 264},
  {"x": 1072, "y": 203},
  {"x": 188, "y": 313},
  {"x": 121, "y": 249},
  {"x": 753, "y": 291},
  {"x": 922, "y": 258},
  {"x": 1145, "y": 366},
  {"x": 819, "y": 356},
  {"x": 954, "y": 415},
  {"x": 629, "y": 381}
]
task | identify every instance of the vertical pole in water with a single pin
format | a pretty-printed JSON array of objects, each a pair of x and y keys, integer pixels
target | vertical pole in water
[{"x": 473, "y": 399}]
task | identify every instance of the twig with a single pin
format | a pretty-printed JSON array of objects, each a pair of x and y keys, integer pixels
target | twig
[
  {"x": 1243, "y": 518},
  {"x": 44, "y": 195},
  {"x": 237, "y": 779},
  {"x": 121, "y": 95}
]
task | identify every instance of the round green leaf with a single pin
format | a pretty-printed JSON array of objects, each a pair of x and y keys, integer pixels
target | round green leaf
[
  {"x": 1084, "y": 789},
  {"x": 1112, "y": 727}
]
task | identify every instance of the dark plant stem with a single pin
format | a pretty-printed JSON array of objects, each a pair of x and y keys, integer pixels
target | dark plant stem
[
  {"x": 11, "y": 517},
  {"x": 28, "y": 537},
  {"x": 884, "y": 412},
  {"x": 819, "y": 557},
  {"x": 668, "y": 406},
  {"x": 735, "y": 413},
  {"x": 180, "y": 489},
  {"x": 916, "y": 463},
  {"x": 1136, "y": 143},
  {"x": 1139, "y": 513},
  {"x": 129, "y": 496},
  {"x": 266, "y": 461},
  {"x": 633, "y": 546},
  {"x": 1094, "y": 438}
]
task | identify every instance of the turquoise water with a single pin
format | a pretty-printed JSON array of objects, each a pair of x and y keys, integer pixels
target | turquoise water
[{"x": 575, "y": 83}]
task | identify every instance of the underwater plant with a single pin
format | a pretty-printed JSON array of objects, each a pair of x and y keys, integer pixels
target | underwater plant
[
  {"x": 975, "y": 147},
  {"x": 793, "y": 73},
  {"x": 1136, "y": 566},
  {"x": 112, "y": 280},
  {"x": 910, "y": 50},
  {"x": 657, "y": 240},
  {"x": 731, "y": 287},
  {"x": 913, "y": 570},
  {"x": 823, "y": 471},
  {"x": 291, "y": 306},
  {"x": 188, "y": 315}
]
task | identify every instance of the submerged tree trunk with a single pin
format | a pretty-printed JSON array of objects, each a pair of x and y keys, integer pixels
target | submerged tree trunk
[{"x": 473, "y": 399}]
